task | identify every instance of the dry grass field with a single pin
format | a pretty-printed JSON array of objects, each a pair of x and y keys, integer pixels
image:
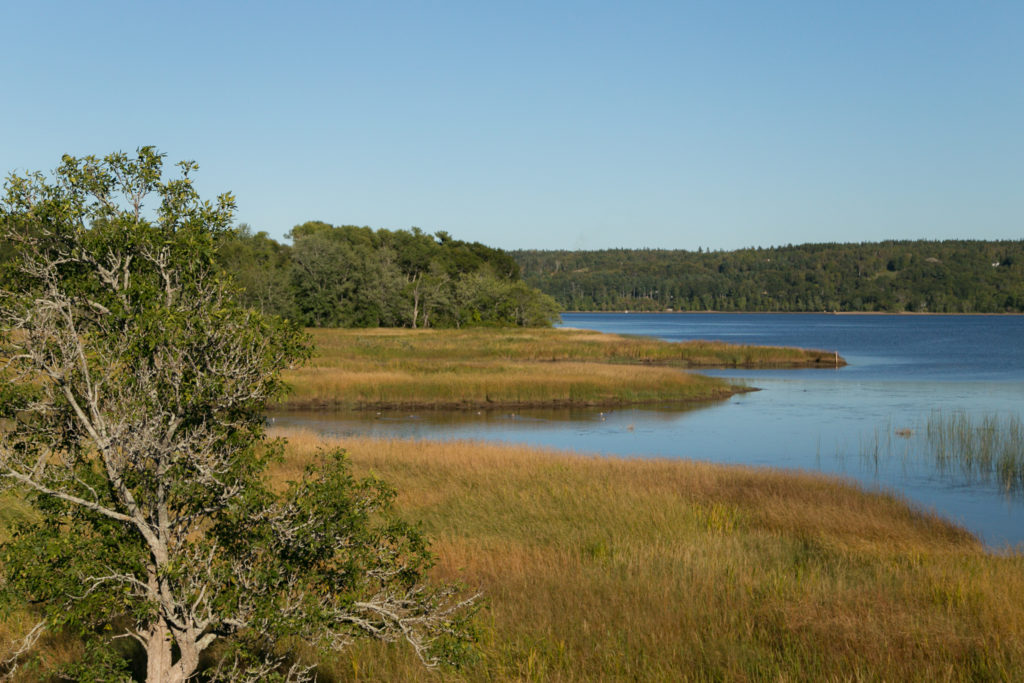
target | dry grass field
[
  {"x": 611, "y": 569},
  {"x": 490, "y": 367},
  {"x": 605, "y": 569}
]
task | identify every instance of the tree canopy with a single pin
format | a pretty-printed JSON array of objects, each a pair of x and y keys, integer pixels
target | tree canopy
[
  {"x": 349, "y": 276},
  {"x": 134, "y": 384}
]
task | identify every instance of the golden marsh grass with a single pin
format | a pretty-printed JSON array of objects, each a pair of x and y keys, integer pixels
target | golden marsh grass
[
  {"x": 512, "y": 367},
  {"x": 612, "y": 569},
  {"x": 607, "y": 569}
]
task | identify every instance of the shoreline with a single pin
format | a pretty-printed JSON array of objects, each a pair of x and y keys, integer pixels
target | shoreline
[{"x": 318, "y": 405}]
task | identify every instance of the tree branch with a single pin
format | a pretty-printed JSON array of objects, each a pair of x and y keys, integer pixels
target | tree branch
[{"x": 75, "y": 500}]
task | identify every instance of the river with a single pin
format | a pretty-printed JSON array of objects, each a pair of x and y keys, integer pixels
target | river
[{"x": 865, "y": 422}]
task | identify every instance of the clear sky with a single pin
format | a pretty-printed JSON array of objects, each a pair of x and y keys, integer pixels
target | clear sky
[{"x": 547, "y": 124}]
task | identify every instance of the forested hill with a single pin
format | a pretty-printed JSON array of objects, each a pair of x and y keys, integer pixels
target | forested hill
[{"x": 924, "y": 276}]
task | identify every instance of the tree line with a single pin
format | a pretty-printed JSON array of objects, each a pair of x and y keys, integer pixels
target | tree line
[
  {"x": 952, "y": 276},
  {"x": 350, "y": 276}
]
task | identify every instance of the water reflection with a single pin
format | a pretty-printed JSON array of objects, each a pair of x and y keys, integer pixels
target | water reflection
[{"x": 540, "y": 426}]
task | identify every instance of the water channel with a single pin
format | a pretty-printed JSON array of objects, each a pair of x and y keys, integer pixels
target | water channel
[{"x": 865, "y": 422}]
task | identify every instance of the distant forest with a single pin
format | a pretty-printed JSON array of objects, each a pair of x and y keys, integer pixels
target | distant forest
[
  {"x": 349, "y": 276},
  {"x": 895, "y": 276}
]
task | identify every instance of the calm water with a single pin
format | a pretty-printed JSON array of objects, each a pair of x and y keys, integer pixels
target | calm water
[{"x": 903, "y": 370}]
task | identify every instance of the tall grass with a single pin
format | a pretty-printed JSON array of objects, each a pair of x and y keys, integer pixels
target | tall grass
[
  {"x": 600, "y": 569},
  {"x": 501, "y": 367},
  {"x": 612, "y": 569},
  {"x": 338, "y": 345}
]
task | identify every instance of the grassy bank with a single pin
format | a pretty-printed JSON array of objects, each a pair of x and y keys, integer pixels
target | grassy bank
[
  {"x": 608, "y": 569},
  {"x": 602, "y": 569},
  {"x": 514, "y": 367}
]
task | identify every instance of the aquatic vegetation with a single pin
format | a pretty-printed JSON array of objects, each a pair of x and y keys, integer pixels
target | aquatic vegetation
[
  {"x": 975, "y": 449},
  {"x": 987, "y": 447}
]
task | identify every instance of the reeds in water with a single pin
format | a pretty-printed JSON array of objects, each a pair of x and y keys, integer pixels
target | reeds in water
[
  {"x": 975, "y": 448},
  {"x": 988, "y": 447}
]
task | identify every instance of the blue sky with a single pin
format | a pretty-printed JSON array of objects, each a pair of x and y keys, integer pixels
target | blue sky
[{"x": 547, "y": 125}]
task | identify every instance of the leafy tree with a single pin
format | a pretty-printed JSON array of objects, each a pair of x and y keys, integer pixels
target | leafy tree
[
  {"x": 261, "y": 268},
  {"x": 379, "y": 299},
  {"x": 527, "y": 307},
  {"x": 487, "y": 299},
  {"x": 136, "y": 433},
  {"x": 324, "y": 280},
  {"x": 429, "y": 291}
]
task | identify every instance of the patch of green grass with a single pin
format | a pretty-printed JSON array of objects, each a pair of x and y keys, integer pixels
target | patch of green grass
[{"x": 13, "y": 510}]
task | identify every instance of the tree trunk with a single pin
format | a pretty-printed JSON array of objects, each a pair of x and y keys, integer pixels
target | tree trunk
[
  {"x": 159, "y": 663},
  {"x": 415, "y": 300}
]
